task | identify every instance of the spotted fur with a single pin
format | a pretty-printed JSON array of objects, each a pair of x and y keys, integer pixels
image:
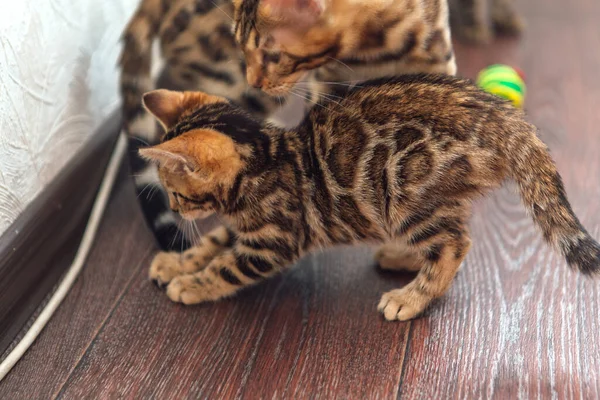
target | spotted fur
[
  {"x": 341, "y": 40},
  {"x": 395, "y": 161}
]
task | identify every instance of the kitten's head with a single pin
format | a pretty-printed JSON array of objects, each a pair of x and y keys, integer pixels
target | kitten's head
[
  {"x": 283, "y": 39},
  {"x": 198, "y": 159}
]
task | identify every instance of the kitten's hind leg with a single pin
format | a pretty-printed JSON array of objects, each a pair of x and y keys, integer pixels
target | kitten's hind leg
[
  {"x": 168, "y": 265},
  {"x": 443, "y": 259},
  {"x": 397, "y": 256}
]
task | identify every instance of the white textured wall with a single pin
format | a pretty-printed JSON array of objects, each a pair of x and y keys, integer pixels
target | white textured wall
[{"x": 58, "y": 80}]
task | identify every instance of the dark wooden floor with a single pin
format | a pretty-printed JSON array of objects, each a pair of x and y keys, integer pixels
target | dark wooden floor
[{"x": 517, "y": 322}]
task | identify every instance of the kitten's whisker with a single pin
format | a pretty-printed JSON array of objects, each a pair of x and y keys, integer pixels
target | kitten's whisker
[
  {"x": 184, "y": 236},
  {"x": 139, "y": 139},
  {"x": 346, "y": 83},
  {"x": 193, "y": 236},
  {"x": 306, "y": 94},
  {"x": 332, "y": 96},
  {"x": 296, "y": 91},
  {"x": 152, "y": 192},
  {"x": 200, "y": 233},
  {"x": 143, "y": 190},
  {"x": 184, "y": 230},
  {"x": 326, "y": 96},
  {"x": 223, "y": 11},
  {"x": 178, "y": 228},
  {"x": 340, "y": 62},
  {"x": 192, "y": 233},
  {"x": 306, "y": 99}
]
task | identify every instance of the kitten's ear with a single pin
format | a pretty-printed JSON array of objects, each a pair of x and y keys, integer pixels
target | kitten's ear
[
  {"x": 172, "y": 154},
  {"x": 166, "y": 105},
  {"x": 300, "y": 14}
]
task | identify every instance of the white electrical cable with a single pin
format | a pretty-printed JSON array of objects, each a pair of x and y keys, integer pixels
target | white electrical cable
[{"x": 82, "y": 253}]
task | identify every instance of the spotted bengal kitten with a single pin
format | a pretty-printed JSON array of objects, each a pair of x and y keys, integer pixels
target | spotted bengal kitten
[
  {"x": 340, "y": 40},
  {"x": 394, "y": 161},
  {"x": 349, "y": 40}
]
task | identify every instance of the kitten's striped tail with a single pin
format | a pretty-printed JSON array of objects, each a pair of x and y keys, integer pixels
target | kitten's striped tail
[
  {"x": 544, "y": 195},
  {"x": 135, "y": 64}
]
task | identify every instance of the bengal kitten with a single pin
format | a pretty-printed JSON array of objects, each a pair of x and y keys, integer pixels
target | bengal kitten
[
  {"x": 395, "y": 161},
  {"x": 478, "y": 21},
  {"x": 340, "y": 40}
]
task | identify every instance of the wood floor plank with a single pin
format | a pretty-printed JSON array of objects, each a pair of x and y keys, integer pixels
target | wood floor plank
[
  {"x": 312, "y": 331},
  {"x": 123, "y": 242},
  {"x": 518, "y": 322}
]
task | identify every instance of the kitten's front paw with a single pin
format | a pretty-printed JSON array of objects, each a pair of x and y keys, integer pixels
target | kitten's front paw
[
  {"x": 165, "y": 267},
  {"x": 402, "y": 304},
  {"x": 396, "y": 258},
  {"x": 185, "y": 289}
]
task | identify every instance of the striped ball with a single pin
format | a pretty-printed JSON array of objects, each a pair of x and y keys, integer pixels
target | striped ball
[{"x": 503, "y": 81}]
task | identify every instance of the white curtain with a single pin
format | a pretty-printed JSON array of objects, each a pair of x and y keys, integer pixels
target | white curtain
[{"x": 58, "y": 80}]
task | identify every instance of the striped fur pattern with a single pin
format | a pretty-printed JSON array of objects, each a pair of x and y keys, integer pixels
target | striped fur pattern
[
  {"x": 478, "y": 21},
  {"x": 396, "y": 161},
  {"x": 199, "y": 53},
  {"x": 341, "y": 40}
]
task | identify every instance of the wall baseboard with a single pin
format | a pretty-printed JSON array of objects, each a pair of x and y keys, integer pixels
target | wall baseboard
[{"x": 40, "y": 245}]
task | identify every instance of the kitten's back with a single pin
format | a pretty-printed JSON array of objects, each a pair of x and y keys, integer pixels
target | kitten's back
[{"x": 439, "y": 141}]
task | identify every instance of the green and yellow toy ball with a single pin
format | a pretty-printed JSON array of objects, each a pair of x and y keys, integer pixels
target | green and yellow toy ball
[{"x": 503, "y": 81}]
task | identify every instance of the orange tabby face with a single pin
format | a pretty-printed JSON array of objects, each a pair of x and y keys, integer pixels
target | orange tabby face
[
  {"x": 282, "y": 40},
  {"x": 196, "y": 165}
]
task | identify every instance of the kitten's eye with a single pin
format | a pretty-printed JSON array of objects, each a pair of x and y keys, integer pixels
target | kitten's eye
[
  {"x": 182, "y": 197},
  {"x": 271, "y": 58}
]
